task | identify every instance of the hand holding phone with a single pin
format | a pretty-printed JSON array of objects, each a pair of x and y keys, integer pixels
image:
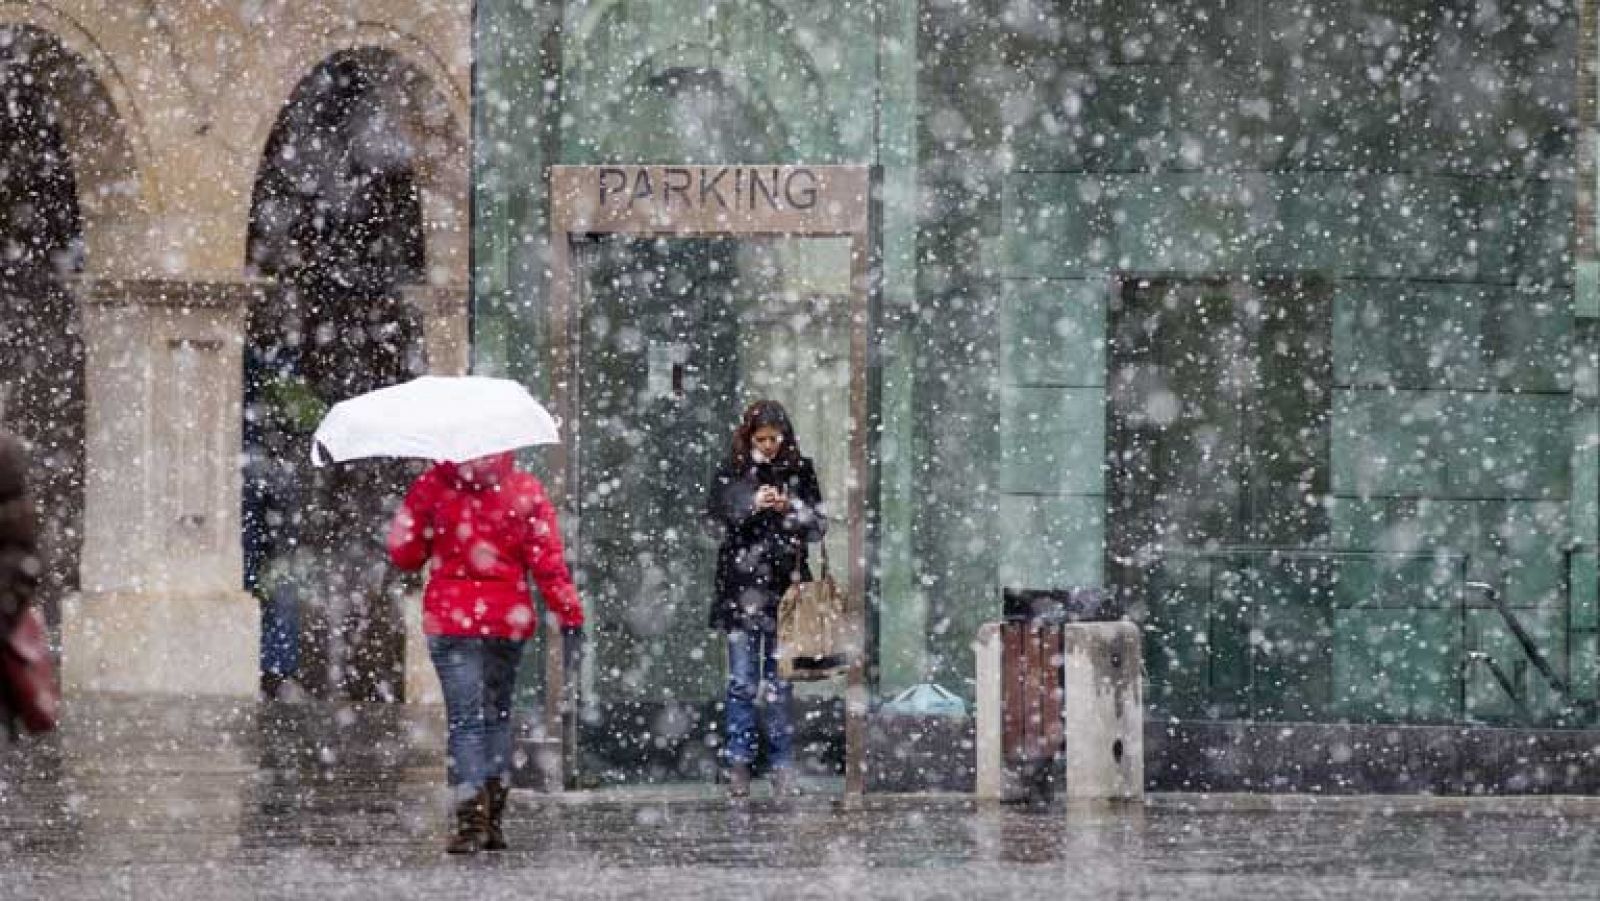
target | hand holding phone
[{"x": 766, "y": 497}]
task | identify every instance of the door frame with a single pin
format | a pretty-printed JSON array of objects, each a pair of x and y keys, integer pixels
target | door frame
[{"x": 718, "y": 201}]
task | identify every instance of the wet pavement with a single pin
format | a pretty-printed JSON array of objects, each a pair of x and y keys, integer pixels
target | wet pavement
[{"x": 140, "y": 799}]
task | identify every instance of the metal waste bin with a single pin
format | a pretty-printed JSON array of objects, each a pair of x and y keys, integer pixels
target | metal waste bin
[
  {"x": 1031, "y": 726},
  {"x": 1021, "y": 693}
]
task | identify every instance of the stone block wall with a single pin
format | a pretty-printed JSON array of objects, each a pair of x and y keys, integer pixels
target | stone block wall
[{"x": 1420, "y": 159}]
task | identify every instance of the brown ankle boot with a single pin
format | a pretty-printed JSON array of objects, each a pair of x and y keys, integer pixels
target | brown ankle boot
[
  {"x": 472, "y": 822},
  {"x": 498, "y": 792},
  {"x": 739, "y": 781}
]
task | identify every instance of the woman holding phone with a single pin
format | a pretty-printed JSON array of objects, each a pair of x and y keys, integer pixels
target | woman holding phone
[{"x": 767, "y": 504}]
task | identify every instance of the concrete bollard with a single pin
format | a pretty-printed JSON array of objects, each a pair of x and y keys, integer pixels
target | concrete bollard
[
  {"x": 991, "y": 769},
  {"x": 1102, "y": 710}
]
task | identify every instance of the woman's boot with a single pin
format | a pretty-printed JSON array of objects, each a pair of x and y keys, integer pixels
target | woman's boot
[
  {"x": 472, "y": 824},
  {"x": 494, "y": 839},
  {"x": 739, "y": 781}
]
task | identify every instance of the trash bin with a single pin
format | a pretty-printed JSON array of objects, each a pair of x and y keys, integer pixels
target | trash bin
[
  {"x": 1022, "y": 689},
  {"x": 1031, "y": 727},
  {"x": 1057, "y": 605}
]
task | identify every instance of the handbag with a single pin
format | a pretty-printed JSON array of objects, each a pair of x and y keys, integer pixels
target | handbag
[
  {"x": 814, "y": 629},
  {"x": 31, "y": 694}
]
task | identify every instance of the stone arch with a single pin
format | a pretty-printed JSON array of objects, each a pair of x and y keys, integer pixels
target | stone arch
[
  {"x": 70, "y": 195},
  {"x": 360, "y": 190},
  {"x": 105, "y": 136},
  {"x": 443, "y": 113}
]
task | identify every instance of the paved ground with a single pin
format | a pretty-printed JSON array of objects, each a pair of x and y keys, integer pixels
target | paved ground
[{"x": 135, "y": 800}]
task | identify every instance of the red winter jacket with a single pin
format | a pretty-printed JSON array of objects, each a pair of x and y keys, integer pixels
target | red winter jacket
[{"x": 483, "y": 526}]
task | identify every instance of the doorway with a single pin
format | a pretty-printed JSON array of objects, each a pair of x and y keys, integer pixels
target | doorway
[
  {"x": 676, "y": 336},
  {"x": 337, "y": 223},
  {"x": 1218, "y": 419},
  {"x": 674, "y": 309}
]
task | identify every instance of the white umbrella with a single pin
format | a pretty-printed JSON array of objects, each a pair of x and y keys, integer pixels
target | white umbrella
[{"x": 435, "y": 417}]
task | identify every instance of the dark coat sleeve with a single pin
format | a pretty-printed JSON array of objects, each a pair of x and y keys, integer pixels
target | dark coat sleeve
[
  {"x": 808, "y": 516},
  {"x": 731, "y": 503}
]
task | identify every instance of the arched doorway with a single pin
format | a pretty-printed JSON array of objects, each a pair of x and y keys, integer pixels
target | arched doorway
[
  {"x": 338, "y": 224},
  {"x": 44, "y": 89}
]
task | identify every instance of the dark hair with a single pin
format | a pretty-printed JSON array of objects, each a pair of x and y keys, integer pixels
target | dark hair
[{"x": 759, "y": 415}]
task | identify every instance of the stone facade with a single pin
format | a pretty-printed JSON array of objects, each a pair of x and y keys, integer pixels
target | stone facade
[
  {"x": 1386, "y": 202},
  {"x": 167, "y": 108}
]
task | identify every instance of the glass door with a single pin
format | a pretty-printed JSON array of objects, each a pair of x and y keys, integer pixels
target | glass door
[{"x": 674, "y": 337}]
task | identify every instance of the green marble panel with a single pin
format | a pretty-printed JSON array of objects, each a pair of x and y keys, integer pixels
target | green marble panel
[
  {"x": 1388, "y": 443},
  {"x": 1329, "y": 114},
  {"x": 1177, "y": 638},
  {"x": 1506, "y": 445},
  {"x": 1061, "y": 133},
  {"x": 1409, "y": 335},
  {"x": 1585, "y": 498},
  {"x": 1291, "y": 638},
  {"x": 1313, "y": 221},
  {"x": 1586, "y": 277},
  {"x": 1054, "y": 332},
  {"x": 1229, "y": 636},
  {"x": 1052, "y": 440},
  {"x": 1396, "y": 665},
  {"x": 1201, "y": 33},
  {"x": 1424, "y": 226},
  {"x": 1180, "y": 223},
  {"x": 1141, "y": 118},
  {"x": 1051, "y": 542},
  {"x": 806, "y": 57},
  {"x": 1358, "y": 582},
  {"x": 1586, "y": 359},
  {"x": 1541, "y": 228},
  {"x": 1054, "y": 225},
  {"x": 1585, "y": 665},
  {"x": 1529, "y": 334},
  {"x": 1408, "y": 525},
  {"x": 1524, "y": 553},
  {"x": 1585, "y": 590},
  {"x": 1488, "y": 632}
]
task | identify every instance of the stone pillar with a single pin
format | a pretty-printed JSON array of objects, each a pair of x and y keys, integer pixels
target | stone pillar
[
  {"x": 445, "y": 324},
  {"x": 162, "y": 607},
  {"x": 443, "y": 310},
  {"x": 1104, "y": 711},
  {"x": 990, "y": 755}
]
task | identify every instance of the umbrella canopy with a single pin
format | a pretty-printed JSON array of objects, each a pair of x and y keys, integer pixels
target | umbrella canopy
[{"x": 435, "y": 417}]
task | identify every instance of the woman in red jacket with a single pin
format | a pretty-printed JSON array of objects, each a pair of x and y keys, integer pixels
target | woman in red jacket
[{"x": 482, "y": 526}]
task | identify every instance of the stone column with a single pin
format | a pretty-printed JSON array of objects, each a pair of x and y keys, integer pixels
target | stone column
[
  {"x": 445, "y": 329},
  {"x": 443, "y": 310},
  {"x": 162, "y": 607}
]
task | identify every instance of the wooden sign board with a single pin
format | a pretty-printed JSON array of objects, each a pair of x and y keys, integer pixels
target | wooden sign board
[{"x": 706, "y": 200}]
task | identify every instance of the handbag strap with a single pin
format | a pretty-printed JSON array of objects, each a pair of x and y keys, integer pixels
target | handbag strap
[{"x": 823, "y": 544}]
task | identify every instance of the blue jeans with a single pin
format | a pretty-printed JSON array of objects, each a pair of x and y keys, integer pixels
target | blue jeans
[
  {"x": 478, "y": 676},
  {"x": 752, "y": 661}
]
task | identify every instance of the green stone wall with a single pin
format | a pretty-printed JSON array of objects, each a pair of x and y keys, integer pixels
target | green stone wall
[
  {"x": 1414, "y": 159},
  {"x": 1417, "y": 156}
]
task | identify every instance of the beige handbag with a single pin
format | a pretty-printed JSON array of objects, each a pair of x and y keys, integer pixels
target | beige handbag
[{"x": 814, "y": 629}]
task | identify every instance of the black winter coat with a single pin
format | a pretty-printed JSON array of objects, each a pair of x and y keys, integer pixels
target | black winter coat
[{"x": 761, "y": 552}]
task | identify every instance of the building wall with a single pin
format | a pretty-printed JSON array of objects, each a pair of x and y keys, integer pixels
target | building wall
[
  {"x": 1410, "y": 167},
  {"x": 1420, "y": 157},
  {"x": 166, "y": 166}
]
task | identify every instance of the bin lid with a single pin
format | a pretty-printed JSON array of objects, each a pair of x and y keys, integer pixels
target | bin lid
[{"x": 926, "y": 699}]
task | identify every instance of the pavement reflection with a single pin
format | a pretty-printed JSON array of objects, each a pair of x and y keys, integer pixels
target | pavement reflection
[{"x": 141, "y": 798}]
